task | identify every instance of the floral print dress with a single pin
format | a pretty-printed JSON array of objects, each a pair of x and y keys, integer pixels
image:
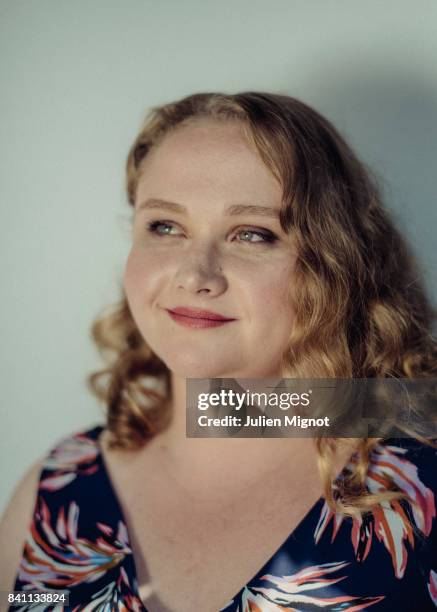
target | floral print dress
[{"x": 78, "y": 541}]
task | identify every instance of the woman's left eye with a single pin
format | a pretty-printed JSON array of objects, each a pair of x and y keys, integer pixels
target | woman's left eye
[{"x": 260, "y": 237}]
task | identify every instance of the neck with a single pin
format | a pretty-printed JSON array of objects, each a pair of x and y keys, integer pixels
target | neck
[{"x": 226, "y": 462}]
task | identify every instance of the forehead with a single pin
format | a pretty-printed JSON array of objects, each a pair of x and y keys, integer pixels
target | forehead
[{"x": 207, "y": 157}]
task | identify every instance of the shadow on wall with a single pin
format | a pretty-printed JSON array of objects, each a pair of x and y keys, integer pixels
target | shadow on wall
[{"x": 390, "y": 119}]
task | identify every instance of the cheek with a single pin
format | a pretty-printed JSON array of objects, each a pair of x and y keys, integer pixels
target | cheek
[
  {"x": 268, "y": 292},
  {"x": 133, "y": 273},
  {"x": 142, "y": 277}
]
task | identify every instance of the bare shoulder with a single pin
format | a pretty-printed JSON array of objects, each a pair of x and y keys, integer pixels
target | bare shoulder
[{"x": 15, "y": 524}]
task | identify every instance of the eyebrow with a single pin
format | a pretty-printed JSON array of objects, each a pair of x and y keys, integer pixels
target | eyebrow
[{"x": 233, "y": 210}]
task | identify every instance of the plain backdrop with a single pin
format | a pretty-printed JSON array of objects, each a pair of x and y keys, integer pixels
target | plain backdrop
[{"x": 76, "y": 80}]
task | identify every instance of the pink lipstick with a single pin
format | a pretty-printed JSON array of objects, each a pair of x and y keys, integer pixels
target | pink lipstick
[{"x": 197, "y": 318}]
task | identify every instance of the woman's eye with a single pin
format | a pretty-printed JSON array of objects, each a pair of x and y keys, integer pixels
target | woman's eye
[
  {"x": 162, "y": 228},
  {"x": 256, "y": 236}
]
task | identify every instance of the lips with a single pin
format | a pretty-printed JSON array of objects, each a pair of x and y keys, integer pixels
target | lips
[
  {"x": 197, "y": 318},
  {"x": 197, "y": 313}
]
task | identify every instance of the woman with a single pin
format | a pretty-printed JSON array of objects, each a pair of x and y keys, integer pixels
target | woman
[{"x": 260, "y": 249}]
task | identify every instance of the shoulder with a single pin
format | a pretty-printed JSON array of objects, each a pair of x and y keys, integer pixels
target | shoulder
[
  {"x": 55, "y": 469},
  {"x": 408, "y": 464},
  {"x": 72, "y": 456},
  {"x": 397, "y": 539},
  {"x": 15, "y": 523},
  {"x": 409, "y": 459}
]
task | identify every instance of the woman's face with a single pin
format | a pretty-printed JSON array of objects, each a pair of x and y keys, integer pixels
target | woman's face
[{"x": 207, "y": 237}]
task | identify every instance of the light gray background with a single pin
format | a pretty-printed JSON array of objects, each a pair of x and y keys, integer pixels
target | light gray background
[{"x": 76, "y": 79}]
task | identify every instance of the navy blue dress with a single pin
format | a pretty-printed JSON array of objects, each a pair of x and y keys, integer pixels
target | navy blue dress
[{"x": 78, "y": 541}]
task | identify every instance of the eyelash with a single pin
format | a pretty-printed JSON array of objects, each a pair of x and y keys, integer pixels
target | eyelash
[{"x": 268, "y": 238}]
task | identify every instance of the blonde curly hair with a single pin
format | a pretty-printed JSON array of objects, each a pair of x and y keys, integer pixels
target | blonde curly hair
[{"x": 359, "y": 303}]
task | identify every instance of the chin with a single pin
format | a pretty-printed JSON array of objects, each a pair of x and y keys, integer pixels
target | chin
[
  {"x": 198, "y": 371},
  {"x": 195, "y": 366},
  {"x": 202, "y": 370}
]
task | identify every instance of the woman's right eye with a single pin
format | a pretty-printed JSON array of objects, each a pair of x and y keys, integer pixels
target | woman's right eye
[{"x": 162, "y": 228}]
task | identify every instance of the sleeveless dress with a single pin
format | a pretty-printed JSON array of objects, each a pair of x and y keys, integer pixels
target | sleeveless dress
[{"x": 387, "y": 562}]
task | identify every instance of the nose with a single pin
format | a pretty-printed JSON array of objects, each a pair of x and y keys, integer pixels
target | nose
[{"x": 200, "y": 272}]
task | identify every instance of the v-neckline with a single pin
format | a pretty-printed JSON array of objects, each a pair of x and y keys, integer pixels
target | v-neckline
[{"x": 318, "y": 505}]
